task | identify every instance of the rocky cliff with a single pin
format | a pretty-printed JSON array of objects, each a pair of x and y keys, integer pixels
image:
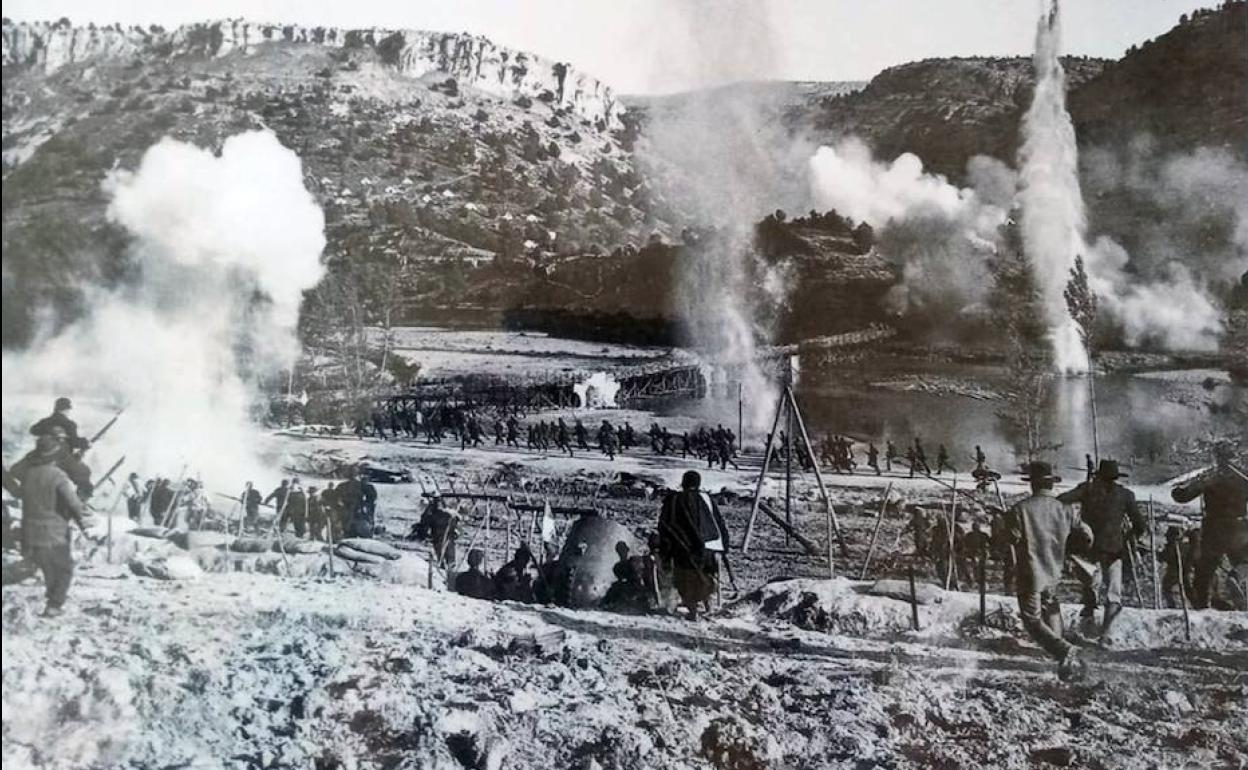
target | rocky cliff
[{"x": 472, "y": 60}]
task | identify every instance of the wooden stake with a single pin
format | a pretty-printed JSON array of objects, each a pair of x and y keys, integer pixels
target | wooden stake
[
  {"x": 834, "y": 526},
  {"x": 914, "y": 601},
  {"x": 762, "y": 476},
  {"x": 1152, "y": 548},
  {"x": 1135, "y": 575},
  {"x": 788, "y": 468},
  {"x": 329, "y": 534},
  {"x": 983, "y": 590},
  {"x": 879, "y": 520},
  {"x": 790, "y": 530},
  {"x": 950, "y": 569},
  {"x": 1187, "y": 621}
]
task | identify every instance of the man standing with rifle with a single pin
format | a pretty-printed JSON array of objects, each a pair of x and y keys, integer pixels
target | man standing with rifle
[
  {"x": 1111, "y": 511},
  {"x": 60, "y": 419},
  {"x": 1224, "y": 528},
  {"x": 50, "y": 503}
]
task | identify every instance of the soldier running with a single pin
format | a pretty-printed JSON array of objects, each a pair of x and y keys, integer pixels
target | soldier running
[{"x": 1038, "y": 530}]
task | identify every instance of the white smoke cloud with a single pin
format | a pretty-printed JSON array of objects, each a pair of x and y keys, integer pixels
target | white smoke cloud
[
  {"x": 1052, "y": 222},
  {"x": 723, "y": 157},
  {"x": 225, "y": 246},
  {"x": 847, "y": 178},
  {"x": 941, "y": 236},
  {"x": 1054, "y": 230},
  {"x": 1174, "y": 311}
]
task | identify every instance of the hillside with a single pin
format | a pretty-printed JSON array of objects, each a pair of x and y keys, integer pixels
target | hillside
[
  {"x": 1187, "y": 88},
  {"x": 943, "y": 110},
  {"x": 430, "y": 153},
  {"x": 461, "y": 177}
]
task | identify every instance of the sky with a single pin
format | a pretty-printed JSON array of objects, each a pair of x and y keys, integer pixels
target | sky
[{"x": 659, "y": 46}]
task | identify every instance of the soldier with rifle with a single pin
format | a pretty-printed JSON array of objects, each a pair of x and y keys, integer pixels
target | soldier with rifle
[
  {"x": 873, "y": 458},
  {"x": 1111, "y": 511},
  {"x": 50, "y": 503},
  {"x": 60, "y": 419},
  {"x": 1224, "y": 525}
]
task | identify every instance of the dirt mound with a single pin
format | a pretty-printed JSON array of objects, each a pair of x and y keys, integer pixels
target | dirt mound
[{"x": 849, "y": 607}]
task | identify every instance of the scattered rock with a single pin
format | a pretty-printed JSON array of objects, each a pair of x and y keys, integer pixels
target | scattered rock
[
  {"x": 1178, "y": 701},
  {"x": 1061, "y": 756},
  {"x": 544, "y": 644},
  {"x": 731, "y": 743}
]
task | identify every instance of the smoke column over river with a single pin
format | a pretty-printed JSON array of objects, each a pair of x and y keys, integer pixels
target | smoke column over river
[
  {"x": 224, "y": 248},
  {"x": 1052, "y": 222},
  {"x": 1174, "y": 309},
  {"x": 722, "y": 157}
]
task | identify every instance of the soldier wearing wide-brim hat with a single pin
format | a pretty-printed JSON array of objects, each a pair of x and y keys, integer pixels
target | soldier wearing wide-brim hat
[
  {"x": 1224, "y": 525},
  {"x": 1111, "y": 511},
  {"x": 1037, "y": 529}
]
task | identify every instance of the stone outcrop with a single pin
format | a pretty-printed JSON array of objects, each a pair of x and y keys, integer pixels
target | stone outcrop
[{"x": 474, "y": 61}]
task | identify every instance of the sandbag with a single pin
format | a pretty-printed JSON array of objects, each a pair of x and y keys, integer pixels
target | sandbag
[
  {"x": 351, "y": 554},
  {"x": 370, "y": 545},
  {"x": 251, "y": 545},
  {"x": 925, "y": 593},
  {"x": 201, "y": 539},
  {"x": 176, "y": 567},
  {"x": 159, "y": 533},
  {"x": 298, "y": 546},
  {"x": 587, "y": 562}
]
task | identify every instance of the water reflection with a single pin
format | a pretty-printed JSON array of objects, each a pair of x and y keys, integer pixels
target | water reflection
[{"x": 1139, "y": 416}]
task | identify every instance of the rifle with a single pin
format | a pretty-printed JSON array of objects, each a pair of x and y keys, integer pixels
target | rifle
[
  {"x": 99, "y": 433},
  {"x": 238, "y": 499},
  {"x": 110, "y": 472}
]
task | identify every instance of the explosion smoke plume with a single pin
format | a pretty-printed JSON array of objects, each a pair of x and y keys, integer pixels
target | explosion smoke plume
[
  {"x": 225, "y": 247},
  {"x": 734, "y": 163}
]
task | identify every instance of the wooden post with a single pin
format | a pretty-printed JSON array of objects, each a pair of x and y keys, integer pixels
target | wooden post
[
  {"x": 1152, "y": 548},
  {"x": 810, "y": 547},
  {"x": 914, "y": 601},
  {"x": 834, "y": 526},
  {"x": 1187, "y": 621},
  {"x": 983, "y": 591},
  {"x": 879, "y": 520},
  {"x": 762, "y": 476},
  {"x": 121, "y": 492},
  {"x": 951, "y": 568},
  {"x": 788, "y": 467},
  {"x": 740, "y": 416},
  {"x": 329, "y": 534},
  {"x": 1135, "y": 575}
]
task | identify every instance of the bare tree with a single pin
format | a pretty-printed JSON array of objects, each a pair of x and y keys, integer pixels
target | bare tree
[{"x": 1018, "y": 310}]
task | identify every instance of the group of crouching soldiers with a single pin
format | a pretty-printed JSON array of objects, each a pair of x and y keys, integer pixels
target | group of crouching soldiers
[{"x": 689, "y": 544}]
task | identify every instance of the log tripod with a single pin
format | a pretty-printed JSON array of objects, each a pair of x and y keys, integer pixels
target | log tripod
[{"x": 786, "y": 406}]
